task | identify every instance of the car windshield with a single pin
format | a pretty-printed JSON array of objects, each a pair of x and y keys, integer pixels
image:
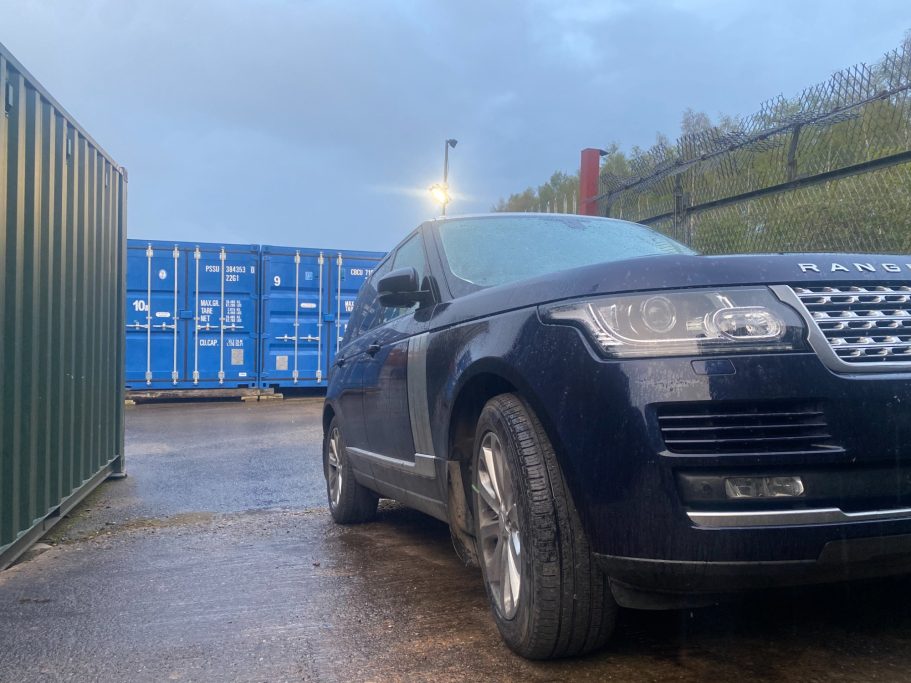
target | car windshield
[{"x": 496, "y": 250}]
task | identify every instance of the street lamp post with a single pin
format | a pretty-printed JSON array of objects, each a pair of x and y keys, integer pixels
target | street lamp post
[{"x": 441, "y": 192}]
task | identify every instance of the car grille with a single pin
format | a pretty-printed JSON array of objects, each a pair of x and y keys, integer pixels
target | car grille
[
  {"x": 717, "y": 427},
  {"x": 866, "y": 324}
]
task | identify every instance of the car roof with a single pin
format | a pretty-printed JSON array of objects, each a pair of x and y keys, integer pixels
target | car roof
[{"x": 512, "y": 214}]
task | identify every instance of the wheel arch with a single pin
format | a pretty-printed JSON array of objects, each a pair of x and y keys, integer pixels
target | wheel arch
[
  {"x": 328, "y": 415},
  {"x": 480, "y": 382}
]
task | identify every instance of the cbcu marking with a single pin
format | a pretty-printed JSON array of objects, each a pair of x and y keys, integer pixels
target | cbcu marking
[{"x": 859, "y": 267}]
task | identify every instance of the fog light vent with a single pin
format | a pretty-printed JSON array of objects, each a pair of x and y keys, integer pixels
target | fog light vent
[{"x": 763, "y": 487}]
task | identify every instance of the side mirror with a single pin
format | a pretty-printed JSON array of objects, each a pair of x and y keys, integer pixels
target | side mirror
[{"x": 400, "y": 288}]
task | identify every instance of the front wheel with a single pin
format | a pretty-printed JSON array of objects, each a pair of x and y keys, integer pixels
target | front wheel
[
  {"x": 349, "y": 502},
  {"x": 548, "y": 597}
]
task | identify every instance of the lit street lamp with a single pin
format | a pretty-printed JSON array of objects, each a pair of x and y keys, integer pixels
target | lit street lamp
[
  {"x": 440, "y": 191},
  {"x": 440, "y": 194}
]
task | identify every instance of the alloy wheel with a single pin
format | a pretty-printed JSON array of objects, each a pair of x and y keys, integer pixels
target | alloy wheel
[
  {"x": 498, "y": 516},
  {"x": 334, "y": 471}
]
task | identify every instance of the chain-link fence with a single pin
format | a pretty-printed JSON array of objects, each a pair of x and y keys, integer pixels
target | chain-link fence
[{"x": 829, "y": 170}]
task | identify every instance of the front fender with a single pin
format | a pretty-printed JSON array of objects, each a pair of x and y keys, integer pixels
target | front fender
[{"x": 458, "y": 355}]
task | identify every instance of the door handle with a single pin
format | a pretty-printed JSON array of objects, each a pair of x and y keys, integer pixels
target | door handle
[
  {"x": 373, "y": 349},
  {"x": 340, "y": 361}
]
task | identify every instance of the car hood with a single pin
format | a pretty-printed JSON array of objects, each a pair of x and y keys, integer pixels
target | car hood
[{"x": 682, "y": 271}]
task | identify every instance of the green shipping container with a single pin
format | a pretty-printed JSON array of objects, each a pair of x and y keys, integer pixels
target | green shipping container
[{"x": 62, "y": 250}]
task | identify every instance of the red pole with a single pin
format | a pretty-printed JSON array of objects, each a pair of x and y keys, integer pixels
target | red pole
[{"x": 588, "y": 181}]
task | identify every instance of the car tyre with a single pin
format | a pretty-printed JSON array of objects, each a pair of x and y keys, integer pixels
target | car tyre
[
  {"x": 349, "y": 502},
  {"x": 549, "y": 598}
]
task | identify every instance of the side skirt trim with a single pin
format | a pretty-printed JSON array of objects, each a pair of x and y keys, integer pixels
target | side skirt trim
[{"x": 423, "y": 465}]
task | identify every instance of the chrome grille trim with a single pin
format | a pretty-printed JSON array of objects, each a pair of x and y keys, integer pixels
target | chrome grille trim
[
  {"x": 854, "y": 327},
  {"x": 754, "y": 518}
]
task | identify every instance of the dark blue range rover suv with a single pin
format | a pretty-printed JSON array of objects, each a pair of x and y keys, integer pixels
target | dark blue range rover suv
[{"x": 605, "y": 418}]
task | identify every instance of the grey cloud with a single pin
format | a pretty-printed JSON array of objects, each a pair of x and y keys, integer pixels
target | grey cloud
[{"x": 322, "y": 123}]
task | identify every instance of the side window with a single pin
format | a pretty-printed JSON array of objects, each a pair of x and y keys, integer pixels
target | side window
[
  {"x": 411, "y": 253},
  {"x": 367, "y": 310}
]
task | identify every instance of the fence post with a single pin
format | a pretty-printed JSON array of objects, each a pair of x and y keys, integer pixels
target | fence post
[
  {"x": 588, "y": 181},
  {"x": 792, "y": 153},
  {"x": 678, "y": 207}
]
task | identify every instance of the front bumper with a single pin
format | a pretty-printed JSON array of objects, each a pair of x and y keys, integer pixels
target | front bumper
[
  {"x": 647, "y": 530},
  {"x": 841, "y": 560}
]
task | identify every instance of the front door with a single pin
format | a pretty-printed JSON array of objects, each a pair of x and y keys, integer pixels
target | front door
[
  {"x": 386, "y": 410},
  {"x": 386, "y": 382}
]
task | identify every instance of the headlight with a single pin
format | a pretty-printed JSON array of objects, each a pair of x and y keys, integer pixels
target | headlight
[{"x": 684, "y": 323}]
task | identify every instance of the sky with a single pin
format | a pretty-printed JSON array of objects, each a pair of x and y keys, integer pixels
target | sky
[{"x": 322, "y": 123}]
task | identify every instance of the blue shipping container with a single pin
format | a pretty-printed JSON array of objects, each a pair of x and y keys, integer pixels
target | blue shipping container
[
  {"x": 191, "y": 315},
  {"x": 294, "y": 286},
  {"x": 307, "y": 297}
]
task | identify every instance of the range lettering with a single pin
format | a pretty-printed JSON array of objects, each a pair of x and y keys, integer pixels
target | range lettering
[{"x": 851, "y": 267}]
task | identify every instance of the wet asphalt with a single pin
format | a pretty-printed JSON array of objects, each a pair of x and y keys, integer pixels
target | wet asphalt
[{"x": 216, "y": 560}]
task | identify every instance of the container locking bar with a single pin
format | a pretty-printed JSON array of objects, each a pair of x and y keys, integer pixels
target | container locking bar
[
  {"x": 196, "y": 256},
  {"x": 176, "y": 255},
  {"x": 338, "y": 301},
  {"x": 319, "y": 324},
  {"x": 297, "y": 266},
  {"x": 221, "y": 317},
  {"x": 149, "y": 253}
]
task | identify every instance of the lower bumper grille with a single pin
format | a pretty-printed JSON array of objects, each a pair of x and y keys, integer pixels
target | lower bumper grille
[{"x": 718, "y": 427}]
